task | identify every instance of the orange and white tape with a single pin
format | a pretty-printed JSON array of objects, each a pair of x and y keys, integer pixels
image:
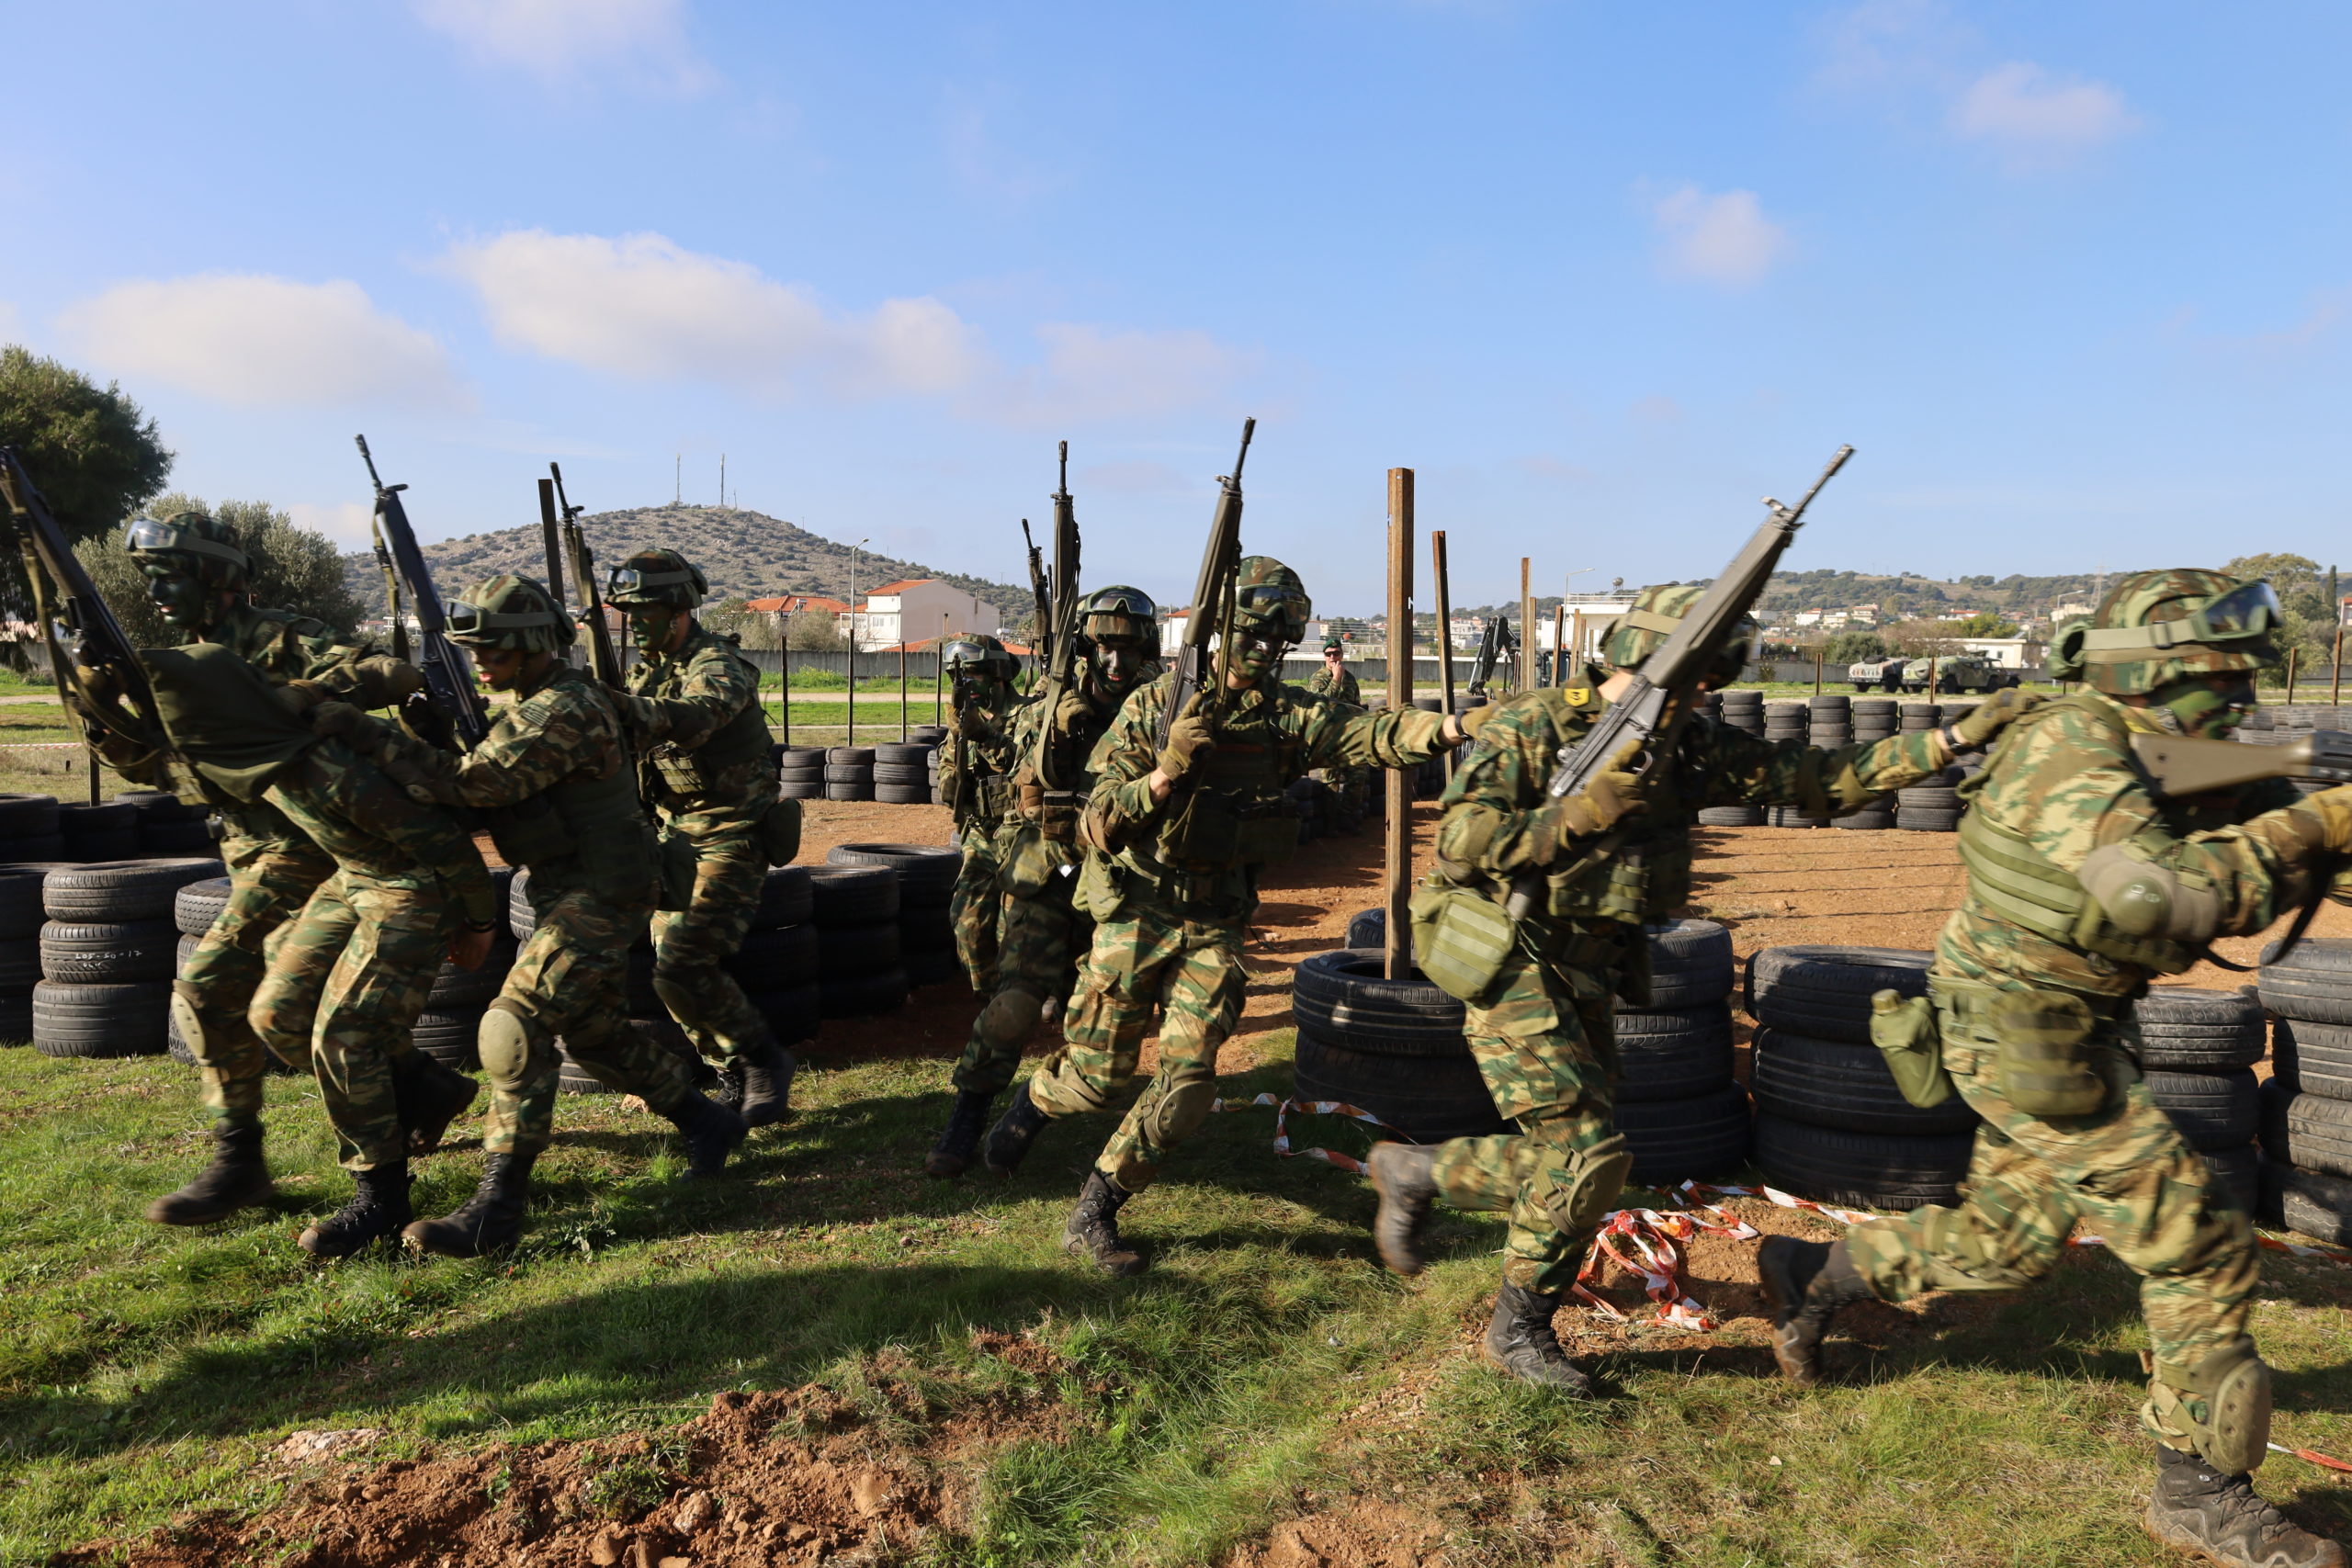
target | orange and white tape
[{"x": 1283, "y": 1107}]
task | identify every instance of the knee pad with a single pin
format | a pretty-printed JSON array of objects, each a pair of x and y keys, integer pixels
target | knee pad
[
  {"x": 1182, "y": 1107},
  {"x": 189, "y": 1020},
  {"x": 2222, "y": 1405},
  {"x": 1008, "y": 1019},
  {"x": 686, "y": 991},
  {"x": 503, "y": 1041},
  {"x": 1588, "y": 1183}
]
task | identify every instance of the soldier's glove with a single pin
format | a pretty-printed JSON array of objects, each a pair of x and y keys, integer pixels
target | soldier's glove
[
  {"x": 1462, "y": 728},
  {"x": 1072, "y": 710},
  {"x": 365, "y": 735},
  {"x": 93, "y": 683},
  {"x": 413, "y": 773},
  {"x": 1610, "y": 795},
  {"x": 1190, "y": 740},
  {"x": 380, "y": 681},
  {"x": 2334, "y": 810},
  {"x": 306, "y": 697},
  {"x": 1991, "y": 717}
]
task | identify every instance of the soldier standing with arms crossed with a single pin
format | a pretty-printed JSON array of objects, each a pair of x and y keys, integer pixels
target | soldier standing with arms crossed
[
  {"x": 2084, "y": 880},
  {"x": 975, "y": 785},
  {"x": 1351, "y": 787}
]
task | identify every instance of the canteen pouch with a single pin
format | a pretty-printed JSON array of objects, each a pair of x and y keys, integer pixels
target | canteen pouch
[
  {"x": 531, "y": 832},
  {"x": 1904, "y": 1030},
  {"x": 1029, "y": 865},
  {"x": 2042, "y": 1052},
  {"x": 1101, "y": 894},
  {"x": 780, "y": 832},
  {"x": 676, "y": 859},
  {"x": 1461, "y": 940}
]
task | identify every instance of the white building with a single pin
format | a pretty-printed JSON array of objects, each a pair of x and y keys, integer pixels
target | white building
[
  {"x": 2006, "y": 652},
  {"x": 918, "y": 610}
]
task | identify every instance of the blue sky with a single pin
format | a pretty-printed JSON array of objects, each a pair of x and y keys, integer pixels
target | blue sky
[{"x": 2072, "y": 278}]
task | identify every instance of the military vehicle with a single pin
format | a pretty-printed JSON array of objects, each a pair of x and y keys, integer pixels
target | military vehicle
[
  {"x": 1961, "y": 672},
  {"x": 1882, "y": 674}
]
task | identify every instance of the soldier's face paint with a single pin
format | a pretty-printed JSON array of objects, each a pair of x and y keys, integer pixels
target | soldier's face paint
[
  {"x": 1117, "y": 661},
  {"x": 178, "y": 595},
  {"x": 1251, "y": 656},
  {"x": 2209, "y": 706},
  {"x": 497, "y": 668},
  {"x": 651, "y": 626}
]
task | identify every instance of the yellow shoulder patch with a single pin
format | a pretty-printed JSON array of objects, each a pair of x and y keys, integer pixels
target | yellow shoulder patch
[{"x": 1577, "y": 697}]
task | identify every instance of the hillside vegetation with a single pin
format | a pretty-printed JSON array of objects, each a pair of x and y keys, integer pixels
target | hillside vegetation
[{"x": 746, "y": 555}]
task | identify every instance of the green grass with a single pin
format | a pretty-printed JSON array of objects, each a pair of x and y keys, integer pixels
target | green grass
[{"x": 1263, "y": 1368}]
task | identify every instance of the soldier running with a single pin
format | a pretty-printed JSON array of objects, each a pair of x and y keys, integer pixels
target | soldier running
[{"x": 976, "y": 764}]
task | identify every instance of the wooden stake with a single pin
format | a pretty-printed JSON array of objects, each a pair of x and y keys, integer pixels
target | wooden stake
[
  {"x": 2335, "y": 664},
  {"x": 2290, "y": 673},
  {"x": 1444, "y": 634},
  {"x": 1399, "y": 963},
  {"x": 903, "y": 680},
  {"x": 784, "y": 677},
  {"x": 1526, "y": 628},
  {"x": 1819, "y": 650},
  {"x": 1560, "y": 643}
]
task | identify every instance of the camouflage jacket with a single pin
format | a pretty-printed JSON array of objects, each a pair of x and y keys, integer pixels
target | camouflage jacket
[
  {"x": 1344, "y": 688},
  {"x": 1043, "y": 826},
  {"x": 977, "y": 759},
  {"x": 698, "y": 709},
  {"x": 353, "y": 809},
  {"x": 1268, "y": 737},
  {"x": 1499, "y": 824},
  {"x": 2064, "y": 780}
]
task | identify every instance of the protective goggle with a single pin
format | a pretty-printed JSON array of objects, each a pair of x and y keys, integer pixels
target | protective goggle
[
  {"x": 147, "y": 536},
  {"x": 1121, "y": 601},
  {"x": 1270, "y": 599},
  {"x": 629, "y": 583},
  {"x": 467, "y": 620},
  {"x": 2246, "y": 611},
  {"x": 964, "y": 656}
]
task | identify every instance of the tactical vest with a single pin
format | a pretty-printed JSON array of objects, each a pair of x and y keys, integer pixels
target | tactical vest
[
  {"x": 1643, "y": 875},
  {"x": 1236, "y": 813},
  {"x": 741, "y": 739},
  {"x": 584, "y": 831}
]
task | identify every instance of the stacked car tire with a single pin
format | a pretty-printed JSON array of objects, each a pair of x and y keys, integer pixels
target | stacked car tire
[
  {"x": 1831, "y": 1123},
  {"x": 2196, "y": 1052},
  {"x": 860, "y": 958},
  {"x": 800, "y": 772},
  {"x": 447, "y": 1029},
  {"x": 902, "y": 772},
  {"x": 926, "y": 875},
  {"x": 1681, "y": 1112},
  {"x": 849, "y": 773},
  {"x": 2307, "y": 1104},
  {"x": 30, "y": 831},
  {"x": 167, "y": 825},
  {"x": 1873, "y": 719},
  {"x": 109, "y": 949},
  {"x": 779, "y": 964},
  {"x": 21, "y": 918},
  {"x": 1741, "y": 708},
  {"x": 1391, "y": 1048},
  {"x": 105, "y": 832}
]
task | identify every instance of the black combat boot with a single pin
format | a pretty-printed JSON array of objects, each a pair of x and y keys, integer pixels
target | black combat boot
[
  {"x": 427, "y": 1097},
  {"x": 767, "y": 1070},
  {"x": 952, "y": 1155},
  {"x": 2221, "y": 1518},
  {"x": 1093, "y": 1227},
  {"x": 1520, "y": 1341},
  {"x": 377, "y": 1211},
  {"x": 712, "y": 1132},
  {"x": 237, "y": 1178},
  {"x": 1405, "y": 1177},
  {"x": 1014, "y": 1130},
  {"x": 1804, "y": 1283},
  {"x": 490, "y": 1221}
]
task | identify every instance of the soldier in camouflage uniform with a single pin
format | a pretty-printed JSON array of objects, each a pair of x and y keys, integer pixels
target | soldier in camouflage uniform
[
  {"x": 1538, "y": 992},
  {"x": 1184, "y": 831},
  {"x": 2084, "y": 880},
  {"x": 348, "y": 974},
  {"x": 1039, "y": 853},
  {"x": 975, "y": 764},
  {"x": 552, "y": 781},
  {"x": 709, "y": 772},
  {"x": 197, "y": 578},
  {"x": 1351, "y": 787}
]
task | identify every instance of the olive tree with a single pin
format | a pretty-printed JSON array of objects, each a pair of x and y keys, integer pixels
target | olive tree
[{"x": 294, "y": 568}]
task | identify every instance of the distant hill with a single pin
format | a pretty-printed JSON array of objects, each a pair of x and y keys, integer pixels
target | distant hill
[
  {"x": 1899, "y": 596},
  {"x": 746, "y": 555}
]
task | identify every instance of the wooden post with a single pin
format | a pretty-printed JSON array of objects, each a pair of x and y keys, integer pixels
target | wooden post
[
  {"x": 1398, "y": 964},
  {"x": 1444, "y": 634},
  {"x": 2291, "y": 652},
  {"x": 1526, "y": 628},
  {"x": 1560, "y": 643},
  {"x": 2336, "y": 665},
  {"x": 902, "y": 679},
  {"x": 1575, "y": 637},
  {"x": 939, "y": 673},
  {"x": 1819, "y": 650},
  {"x": 784, "y": 677}
]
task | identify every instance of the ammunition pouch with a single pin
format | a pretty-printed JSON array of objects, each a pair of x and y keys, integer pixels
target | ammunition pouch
[
  {"x": 1906, "y": 1031},
  {"x": 1461, "y": 939},
  {"x": 2222, "y": 1405},
  {"x": 2011, "y": 876},
  {"x": 1054, "y": 812},
  {"x": 1101, "y": 891},
  {"x": 780, "y": 832},
  {"x": 1031, "y": 860},
  {"x": 1213, "y": 828},
  {"x": 676, "y": 863},
  {"x": 2043, "y": 1058},
  {"x": 530, "y": 832}
]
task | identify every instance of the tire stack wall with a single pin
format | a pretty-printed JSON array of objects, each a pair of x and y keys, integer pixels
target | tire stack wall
[
  {"x": 861, "y": 963},
  {"x": 109, "y": 831},
  {"x": 800, "y": 772},
  {"x": 930, "y": 736},
  {"x": 849, "y": 773},
  {"x": 167, "y": 825},
  {"x": 452, "y": 1036},
  {"x": 1829, "y": 722},
  {"x": 1873, "y": 719},
  {"x": 1830, "y": 1125},
  {"x": 1741, "y": 708},
  {"x": 2197, "y": 1050},
  {"x": 926, "y": 875},
  {"x": 193, "y": 909},
  {"x": 1393, "y": 1048},
  {"x": 1677, "y": 1106},
  {"x": 108, "y": 950},
  {"x": 902, "y": 772},
  {"x": 21, "y": 918},
  {"x": 30, "y": 829},
  {"x": 2307, "y": 1104},
  {"x": 779, "y": 964},
  {"x": 447, "y": 1027}
]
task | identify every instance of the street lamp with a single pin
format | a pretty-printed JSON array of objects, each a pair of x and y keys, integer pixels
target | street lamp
[{"x": 850, "y": 686}]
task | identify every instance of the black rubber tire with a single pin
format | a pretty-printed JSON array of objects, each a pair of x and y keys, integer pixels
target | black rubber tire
[
  {"x": 20, "y": 964},
  {"x": 1680, "y": 1139},
  {"x": 122, "y": 889},
  {"x": 927, "y": 735},
  {"x": 1927, "y": 821},
  {"x": 21, "y": 912},
  {"x": 900, "y": 774},
  {"x": 2315, "y": 984},
  {"x": 106, "y": 817},
  {"x": 2186, "y": 1029},
  {"x": 1829, "y": 1083},
  {"x": 160, "y": 839},
  {"x": 27, "y": 815},
  {"x": 2314, "y": 1058},
  {"x": 2314, "y": 1203},
  {"x": 451, "y": 1036},
  {"x": 902, "y": 794},
  {"x": 1826, "y": 991},
  {"x": 2278, "y": 1142},
  {"x": 794, "y": 1013},
  {"x": 1863, "y": 1169},
  {"x": 108, "y": 953},
  {"x": 463, "y": 990},
  {"x": 2213, "y": 1111},
  {"x": 848, "y": 791},
  {"x": 777, "y": 959},
  {"x": 925, "y": 931},
  {"x": 1346, "y": 1000},
  {"x": 796, "y": 788},
  {"x": 1368, "y": 928},
  {"x": 1864, "y": 821},
  {"x": 1425, "y": 1099},
  {"x": 901, "y": 754},
  {"x": 99, "y": 1020},
  {"x": 836, "y": 772},
  {"x": 863, "y": 995},
  {"x": 197, "y": 905},
  {"x": 1691, "y": 964},
  {"x": 926, "y": 966},
  {"x": 853, "y": 894},
  {"x": 849, "y": 756},
  {"x": 923, "y": 869},
  {"x": 800, "y": 759},
  {"x": 1928, "y": 797},
  {"x": 853, "y": 952},
  {"x": 2318, "y": 1134},
  {"x": 1674, "y": 1056},
  {"x": 2240, "y": 1171},
  {"x": 1731, "y": 816},
  {"x": 786, "y": 898}
]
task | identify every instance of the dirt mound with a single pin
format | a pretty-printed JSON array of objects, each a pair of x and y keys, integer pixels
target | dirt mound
[{"x": 801, "y": 1475}]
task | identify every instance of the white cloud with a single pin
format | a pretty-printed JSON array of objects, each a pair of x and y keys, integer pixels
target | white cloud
[
  {"x": 643, "y": 308},
  {"x": 1092, "y": 372},
  {"x": 256, "y": 340},
  {"x": 556, "y": 39},
  {"x": 347, "y": 522},
  {"x": 1723, "y": 239},
  {"x": 2035, "y": 118}
]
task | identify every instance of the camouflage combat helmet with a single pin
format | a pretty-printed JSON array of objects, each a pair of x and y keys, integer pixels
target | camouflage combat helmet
[
  {"x": 1656, "y": 610},
  {"x": 2155, "y": 627},
  {"x": 202, "y": 545},
  {"x": 975, "y": 656},
  {"x": 510, "y": 612},
  {"x": 1269, "y": 600},
  {"x": 656, "y": 577},
  {"x": 1119, "y": 610}
]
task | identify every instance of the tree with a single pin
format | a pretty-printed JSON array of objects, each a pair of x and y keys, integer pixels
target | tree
[
  {"x": 1984, "y": 624},
  {"x": 2307, "y": 617},
  {"x": 814, "y": 631},
  {"x": 1853, "y": 647},
  {"x": 95, "y": 457},
  {"x": 1924, "y": 639},
  {"x": 293, "y": 569}
]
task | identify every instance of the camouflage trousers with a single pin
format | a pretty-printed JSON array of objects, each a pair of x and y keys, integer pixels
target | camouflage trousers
[
  {"x": 690, "y": 945},
  {"x": 1190, "y": 970},
  {"x": 269, "y": 881},
  {"x": 2126, "y": 1170},
  {"x": 1351, "y": 795},
  {"x": 1547, "y": 1050},
  {"x": 570, "y": 979},
  {"x": 975, "y": 908},
  {"x": 1038, "y": 933},
  {"x": 346, "y": 978}
]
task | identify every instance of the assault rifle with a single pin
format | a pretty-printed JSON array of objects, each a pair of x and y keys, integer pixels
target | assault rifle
[
  {"x": 448, "y": 678},
  {"x": 604, "y": 659},
  {"x": 1212, "y": 594},
  {"x": 65, "y": 601},
  {"x": 1495, "y": 646},
  {"x": 552, "y": 541},
  {"x": 1664, "y": 689},
  {"x": 1041, "y": 598},
  {"x": 1061, "y": 660},
  {"x": 2179, "y": 765}
]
